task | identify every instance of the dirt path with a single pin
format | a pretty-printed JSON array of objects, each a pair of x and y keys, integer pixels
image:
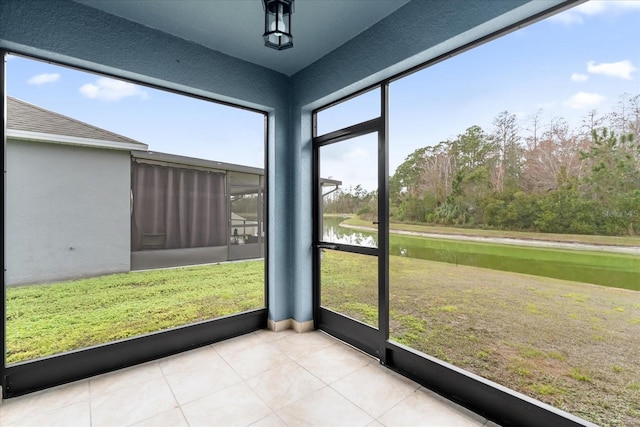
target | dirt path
[{"x": 630, "y": 250}]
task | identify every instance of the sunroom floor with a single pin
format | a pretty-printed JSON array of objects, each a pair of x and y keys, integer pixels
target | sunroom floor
[{"x": 260, "y": 379}]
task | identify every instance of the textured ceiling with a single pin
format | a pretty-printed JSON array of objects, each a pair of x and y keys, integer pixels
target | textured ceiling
[{"x": 235, "y": 27}]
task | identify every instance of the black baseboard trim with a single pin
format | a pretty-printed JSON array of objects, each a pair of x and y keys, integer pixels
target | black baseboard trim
[{"x": 357, "y": 334}]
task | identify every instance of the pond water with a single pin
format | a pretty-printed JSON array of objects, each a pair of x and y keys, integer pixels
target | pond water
[
  {"x": 334, "y": 233},
  {"x": 607, "y": 269}
]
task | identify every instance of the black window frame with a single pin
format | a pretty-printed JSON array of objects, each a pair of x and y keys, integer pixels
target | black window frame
[{"x": 29, "y": 376}]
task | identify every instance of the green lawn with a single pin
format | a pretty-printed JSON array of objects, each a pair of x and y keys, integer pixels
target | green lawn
[{"x": 53, "y": 318}]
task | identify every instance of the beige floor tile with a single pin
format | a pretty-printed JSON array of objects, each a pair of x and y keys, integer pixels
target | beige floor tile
[
  {"x": 271, "y": 421},
  {"x": 187, "y": 360},
  {"x": 74, "y": 415},
  {"x": 18, "y": 408},
  {"x": 424, "y": 407},
  {"x": 269, "y": 336},
  {"x": 284, "y": 385},
  {"x": 132, "y": 404},
  {"x": 203, "y": 379},
  {"x": 297, "y": 346},
  {"x": 211, "y": 391},
  {"x": 237, "y": 405},
  {"x": 324, "y": 407},
  {"x": 334, "y": 362},
  {"x": 375, "y": 389},
  {"x": 256, "y": 360},
  {"x": 233, "y": 345},
  {"x": 124, "y": 378},
  {"x": 173, "y": 418}
]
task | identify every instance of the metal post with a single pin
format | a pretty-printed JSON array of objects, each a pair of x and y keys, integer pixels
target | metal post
[{"x": 383, "y": 222}]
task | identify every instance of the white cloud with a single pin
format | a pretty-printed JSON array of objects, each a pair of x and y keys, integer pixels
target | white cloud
[
  {"x": 622, "y": 69},
  {"x": 355, "y": 154},
  {"x": 44, "y": 78},
  {"x": 582, "y": 100},
  {"x": 577, "y": 14},
  {"x": 106, "y": 89},
  {"x": 567, "y": 18},
  {"x": 576, "y": 77},
  {"x": 550, "y": 104}
]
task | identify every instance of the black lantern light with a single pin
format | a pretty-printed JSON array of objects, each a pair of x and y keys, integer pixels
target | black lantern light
[{"x": 277, "y": 24}]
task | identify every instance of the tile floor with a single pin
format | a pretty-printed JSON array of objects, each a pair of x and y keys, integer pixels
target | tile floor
[{"x": 260, "y": 379}]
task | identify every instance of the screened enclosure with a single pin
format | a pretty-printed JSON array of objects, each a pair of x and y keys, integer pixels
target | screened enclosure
[{"x": 188, "y": 211}]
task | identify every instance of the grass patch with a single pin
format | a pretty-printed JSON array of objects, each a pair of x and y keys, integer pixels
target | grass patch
[
  {"x": 482, "y": 354},
  {"x": 58, "y": 317},
  {"x": 578, "y": 375},
  {"x": 547, "y": 390},
  {"x": 531, "y": 308},
  {"x": 576, "y": 297},
  {"x": 531, "y": 353},
  {"x": 555, "y": 355},
  {"x": 521, "y": 371}
]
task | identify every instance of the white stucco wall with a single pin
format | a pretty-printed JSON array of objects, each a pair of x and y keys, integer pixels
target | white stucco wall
[{"x": 67, "y": 212}]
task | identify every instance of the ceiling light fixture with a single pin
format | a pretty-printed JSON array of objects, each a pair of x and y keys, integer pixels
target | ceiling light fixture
[{"x": 277, "y": 24}]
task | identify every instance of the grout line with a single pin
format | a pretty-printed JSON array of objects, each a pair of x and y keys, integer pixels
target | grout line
[
  {"x": 126, "y": 385},
  {"x": 280, "y": 418},
  {"x": 90, "y": 403},
  {"x": 184, "y": 417},
  {"x": 34, "y": 395},
  {"x": 390, "y": 409}
]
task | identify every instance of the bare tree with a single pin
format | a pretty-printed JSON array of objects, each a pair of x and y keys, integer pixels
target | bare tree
[
  {"x": 556, "y": 158},
  {"x": 506, "y": 135}
]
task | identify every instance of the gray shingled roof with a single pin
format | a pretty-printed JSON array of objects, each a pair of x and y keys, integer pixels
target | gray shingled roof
[{"x": 28, "y": 117}]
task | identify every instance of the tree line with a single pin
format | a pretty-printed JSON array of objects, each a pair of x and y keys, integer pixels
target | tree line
[{"x": 521, "y": 175}]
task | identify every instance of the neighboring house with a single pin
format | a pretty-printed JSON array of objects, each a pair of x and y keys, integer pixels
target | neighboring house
[
  {"x": 55, "y": 164},
  {"x": 111, "y": 206}
]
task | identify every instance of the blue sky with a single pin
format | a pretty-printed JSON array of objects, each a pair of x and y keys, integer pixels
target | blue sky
[
  {"x": 165, "y": 121},
  {"x": 565, "y": 66}
]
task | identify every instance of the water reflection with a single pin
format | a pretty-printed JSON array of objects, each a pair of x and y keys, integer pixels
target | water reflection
[{"x": 332, "y": 232}]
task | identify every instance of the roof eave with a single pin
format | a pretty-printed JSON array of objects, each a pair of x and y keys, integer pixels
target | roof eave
[{"x": 73, "y": 140}]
